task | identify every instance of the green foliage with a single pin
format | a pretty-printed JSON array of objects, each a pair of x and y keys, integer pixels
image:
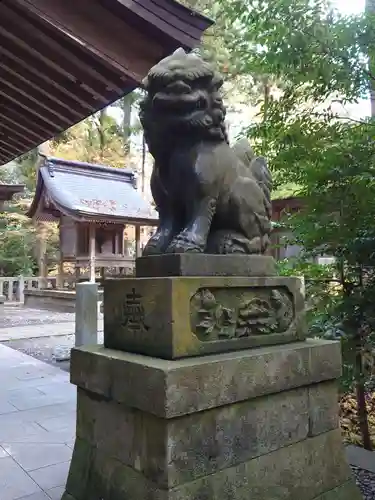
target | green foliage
[
  {"x": 17, "y": 240},
  {"x": 312, "y": 62},
  {"x": 26, "y": 170},
  {"x": 303, "y": 42}
]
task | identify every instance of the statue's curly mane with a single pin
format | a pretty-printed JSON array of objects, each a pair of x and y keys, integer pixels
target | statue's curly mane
[{"x": 183, "y": 96}]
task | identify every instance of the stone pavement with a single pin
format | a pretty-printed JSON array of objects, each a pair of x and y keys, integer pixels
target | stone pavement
[
  {"x": 37, "y": 410},
  {"x": 37, "y": 427},
  {"x": 18, "y": 322},
  {"x": 361, "y": 458}
]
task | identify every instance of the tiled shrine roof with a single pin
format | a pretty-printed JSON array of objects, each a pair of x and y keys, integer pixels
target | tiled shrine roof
[{"x": 87, "y": 191}]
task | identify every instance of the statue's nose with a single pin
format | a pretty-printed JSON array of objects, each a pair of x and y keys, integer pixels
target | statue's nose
[{"x": 178, "y": 87}]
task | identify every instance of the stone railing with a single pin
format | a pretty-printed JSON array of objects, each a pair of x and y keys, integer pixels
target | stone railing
[{"x": 13, "y": 288}]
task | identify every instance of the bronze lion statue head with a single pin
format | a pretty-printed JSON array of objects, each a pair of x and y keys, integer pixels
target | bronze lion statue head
[{"x": 183, "y": 99}]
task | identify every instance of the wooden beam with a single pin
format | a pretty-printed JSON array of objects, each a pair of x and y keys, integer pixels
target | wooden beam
[
  {"x": 3, "y": 159},
  {"x": 138, "y": 252},
  {"x": 17, "y": 128},
  {"x": 12, "y": 99},
  {"x": 5, "y": 148},
  {"x": 5, "y": 152},
  {"x": 20, "y": 144},
  {"x": 35, "y": 96},
  {"x": 164, "y": 20},
  {"x": 15, "y": 23},
  {"x": 25, "y": 63},
  {"x": 8, "y": 147},
  {"x": 18, "y": 140},
  {"x": 103, "y": 34},
  {"x": 25, "y": 81}
]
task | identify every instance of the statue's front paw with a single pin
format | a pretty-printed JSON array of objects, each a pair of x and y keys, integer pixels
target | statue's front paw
[
  {"x": 153, "y": 247},
  {"x": 183, "y": 244}
]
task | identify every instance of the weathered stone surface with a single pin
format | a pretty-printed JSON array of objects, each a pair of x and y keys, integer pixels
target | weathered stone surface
[
  {"x": 195, "y": 264},
  {"x": 322, "y": 361},
  {"x": 206, "y": 442},
  {"x": 135, "y": 438},
  {"x": 174, "y": 451},
  {"x": 211, "y": 198},
  {"x": 80, "y": 469},
  {"x": 300, "y": 471},
  {"x": 172, "y": 388},
  {"x": 347, "y": 491},
  {"x": 86, "y": 319},
  {"x": 66, "y": 496},
  {"x": 303, "y": 470},
  {"x": 152, "y": 315},
  {"x": 232, "y": 426},
  {"x": 323, "y": 408}
]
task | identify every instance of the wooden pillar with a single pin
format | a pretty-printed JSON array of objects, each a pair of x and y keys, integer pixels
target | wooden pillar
[
  {"x": 60, "y": 273},
  {"x": 77, "y": 254},
  {"x": 77, "y": 272},
  {"x": 137, "y": 241},
  {"x": 92, "y": 252},
  {"x": 44, "y": 265},
  {"x": 41, "y": 250},
  {"x": 60, "y": 267}
]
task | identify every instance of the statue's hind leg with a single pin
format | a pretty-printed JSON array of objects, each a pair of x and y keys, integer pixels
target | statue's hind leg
[
  {"x": 225, "y": 241},
  {"x": 194, "y": 236}
]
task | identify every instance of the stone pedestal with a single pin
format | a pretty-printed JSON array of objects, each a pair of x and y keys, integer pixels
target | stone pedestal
[
  {"x": 258, "y": 424},
  {"x": 183, "y": 315},
  {"x": 207, "y": 389}
]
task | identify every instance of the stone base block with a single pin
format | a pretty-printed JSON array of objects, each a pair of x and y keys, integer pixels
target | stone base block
[
  {"x": 260, "y": 424},
  {"x": 185, "y": 316},
  {"x": 199, "y": 264}
]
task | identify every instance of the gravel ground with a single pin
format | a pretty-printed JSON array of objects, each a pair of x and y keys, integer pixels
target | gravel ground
[
  {"x": 48, "y": 349},
  {"x": 52, "y": 350},
  {"x": 12, "y": 316},
  {"x": 365, "y": 481}
]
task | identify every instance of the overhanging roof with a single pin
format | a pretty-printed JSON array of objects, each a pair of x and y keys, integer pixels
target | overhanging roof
[
  {"x": 86, "y": 191},
  {"x": 7, "y": 191},
  {"x": 62, "y": 60}
]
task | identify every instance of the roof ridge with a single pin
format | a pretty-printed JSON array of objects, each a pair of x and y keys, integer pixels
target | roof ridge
[{"x": 88, "y": 166}]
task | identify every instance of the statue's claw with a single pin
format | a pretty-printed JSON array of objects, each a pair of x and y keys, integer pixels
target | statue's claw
[
  {"x": 183, "y": 244},
  {"x": 151, "y": 249}
]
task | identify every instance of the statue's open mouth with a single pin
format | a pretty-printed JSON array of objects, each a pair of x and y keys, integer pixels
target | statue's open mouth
[{"x": 182, "y": 104}]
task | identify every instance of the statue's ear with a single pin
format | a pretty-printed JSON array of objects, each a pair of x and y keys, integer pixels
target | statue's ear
[{"x": 179, "y": 51}]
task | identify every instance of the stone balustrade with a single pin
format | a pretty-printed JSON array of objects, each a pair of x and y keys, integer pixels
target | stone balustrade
[{"x": 12, "y": 288}]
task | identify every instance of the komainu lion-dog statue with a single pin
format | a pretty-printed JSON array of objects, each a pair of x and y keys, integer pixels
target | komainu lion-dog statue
[{"x": 211, "y": 198}]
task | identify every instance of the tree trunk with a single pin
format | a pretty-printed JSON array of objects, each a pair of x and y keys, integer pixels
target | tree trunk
[
  {"x": 143, "y": 173},
  {"x": 127, "y": 102},
  {"x": 370, "y": 10},
  {"x": 40, "y": 227},
  {"x": 361, "y": 401},
  {"x": 266, "y": 102},
  {"x": 101, "y": 132},
  {"x": 266, "y": 96}
]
